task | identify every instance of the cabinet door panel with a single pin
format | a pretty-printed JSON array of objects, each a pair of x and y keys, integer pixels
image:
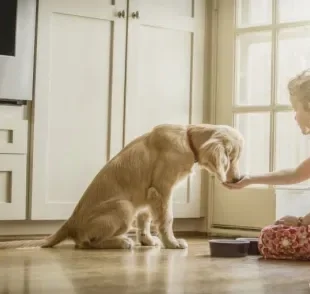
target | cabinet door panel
[
  {"x": 78, "y": 120},
  {"x": 165, "y": 62},
  {"x": 13, "y": 186}
]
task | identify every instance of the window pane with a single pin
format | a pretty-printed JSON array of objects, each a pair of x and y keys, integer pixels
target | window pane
[
  {"x": 291, "y": 146},
  {"x": 253, "y": 69},
  {"x": 293, "y": 57},
  {"x": 254, "y": 12},
  {"x": 255, "y": 128},
  {"x": 293, "y": 10}
]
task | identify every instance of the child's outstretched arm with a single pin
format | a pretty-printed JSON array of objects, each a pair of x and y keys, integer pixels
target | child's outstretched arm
[{"x": 282, "y": 177}]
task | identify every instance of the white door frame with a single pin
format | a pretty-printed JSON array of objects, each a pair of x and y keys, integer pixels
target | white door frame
[{"x": 272, "y": 108}]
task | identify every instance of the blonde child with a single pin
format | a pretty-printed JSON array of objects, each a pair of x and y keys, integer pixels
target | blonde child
[{"x": 288, "y": 237}]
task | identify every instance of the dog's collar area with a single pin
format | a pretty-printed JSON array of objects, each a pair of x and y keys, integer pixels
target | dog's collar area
[{"x": 191, "y": 145}]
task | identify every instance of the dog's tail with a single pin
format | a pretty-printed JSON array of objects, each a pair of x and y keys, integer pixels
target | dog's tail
[{"x": 50, "y": 241}]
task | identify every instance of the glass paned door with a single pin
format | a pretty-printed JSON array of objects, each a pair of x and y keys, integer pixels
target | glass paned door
[
  {"x": 255, "y": 158},
  {"x": 261, "y": 45},
  {"x": 253, "y": 69},
  {"x": 293, "y": 56}
]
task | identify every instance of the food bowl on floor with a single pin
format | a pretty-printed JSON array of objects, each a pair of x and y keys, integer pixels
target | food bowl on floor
[
  {"x": 229, "y": 248},
  {"x": 253, "y": 247}
]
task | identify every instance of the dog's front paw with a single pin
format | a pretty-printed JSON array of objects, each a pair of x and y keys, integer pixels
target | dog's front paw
[
  {"x": 127, "y": 243},
  {"x": 148, "y": 240},
  {"x": 182, "y": 244},
  {"x": 177, "y": 244}
]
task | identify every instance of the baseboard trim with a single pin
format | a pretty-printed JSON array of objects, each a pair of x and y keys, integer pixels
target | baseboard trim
[
  {"x": 21, "y": 230},
  {"x": 215, "y": 233},
  {"x": 5, "y": 238},
  {"x": 233, "y": 233},
  {"x": 41, "y": 228},
  {"x": 131, "y": 234}
]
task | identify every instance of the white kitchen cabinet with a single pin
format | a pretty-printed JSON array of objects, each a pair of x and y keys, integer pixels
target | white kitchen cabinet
[
  {"x": 96, "y": 90},
  {"x": 165, "y": 63},
  {"x": 13, "y": 170},
  {"x": 79, "y": 93},
  {"x": 13, "y": 163}
]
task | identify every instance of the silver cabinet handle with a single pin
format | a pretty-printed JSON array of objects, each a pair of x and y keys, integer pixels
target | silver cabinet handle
[
  {"x": 121, "y": 14},
  {"x": 135, "y": 14},
  {"x": 13, "y": 102}
]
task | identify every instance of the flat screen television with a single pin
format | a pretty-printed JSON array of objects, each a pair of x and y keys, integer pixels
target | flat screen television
[{"x": 8, "y": 18}]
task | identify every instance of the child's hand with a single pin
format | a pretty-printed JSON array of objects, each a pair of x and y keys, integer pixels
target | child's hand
[
  {"x": 306, "y": 220},
  {"x": 245, "y": 181}
]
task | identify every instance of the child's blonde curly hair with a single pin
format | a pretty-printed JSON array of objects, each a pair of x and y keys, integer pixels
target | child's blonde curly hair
[{"x": 299, "y": 89}]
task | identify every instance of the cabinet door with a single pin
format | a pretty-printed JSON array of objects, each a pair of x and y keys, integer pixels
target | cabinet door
[
  {"x": 13, "y": 186},
  {"x": 165, "y": 63},
  {"x": 79, "y": 93},
  {"x": 13, "y": 162}
]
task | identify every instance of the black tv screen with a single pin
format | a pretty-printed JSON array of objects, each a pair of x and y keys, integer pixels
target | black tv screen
[{"x": 8, "y": 16}]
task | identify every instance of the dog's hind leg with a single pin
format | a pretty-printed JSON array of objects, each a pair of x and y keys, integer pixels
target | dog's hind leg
[
  {"x": 120, "y": 242},
  {"x": 108, "y": 226}
]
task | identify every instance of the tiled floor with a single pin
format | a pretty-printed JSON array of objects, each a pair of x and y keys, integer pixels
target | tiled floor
[{"x": 146, "y": 270}]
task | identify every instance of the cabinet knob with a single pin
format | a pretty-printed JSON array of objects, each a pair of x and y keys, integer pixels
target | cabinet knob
[
  {"x": 121, "y": 14},
  {"x": 135, "y": 14}
]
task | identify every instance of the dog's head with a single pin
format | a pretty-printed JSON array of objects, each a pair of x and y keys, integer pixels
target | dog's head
[{"x": 220, "y": 153}]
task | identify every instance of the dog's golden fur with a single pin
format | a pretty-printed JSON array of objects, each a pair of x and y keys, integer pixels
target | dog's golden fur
[{"x": 138, "y": 182}]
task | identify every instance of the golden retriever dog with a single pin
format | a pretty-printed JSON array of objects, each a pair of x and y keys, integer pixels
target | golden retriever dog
[{"x": 137, "y": 183}]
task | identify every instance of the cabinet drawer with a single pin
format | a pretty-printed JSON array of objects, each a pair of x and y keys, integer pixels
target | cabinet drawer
[
  {"x": 13, "y": 136},
  {"x": 13, "y": 168}
]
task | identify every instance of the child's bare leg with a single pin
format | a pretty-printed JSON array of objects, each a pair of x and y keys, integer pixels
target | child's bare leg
[
  {"x": 288, "y": 220},
  {"x": 294, "y": 221},
  {"x": 306, "y": 220}
]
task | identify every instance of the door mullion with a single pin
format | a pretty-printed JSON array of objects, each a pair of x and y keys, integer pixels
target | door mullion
[{"x": 273, "y": 86}]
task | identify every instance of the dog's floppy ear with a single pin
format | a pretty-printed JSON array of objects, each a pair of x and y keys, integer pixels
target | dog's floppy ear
[{"x": 213, "y": 157}]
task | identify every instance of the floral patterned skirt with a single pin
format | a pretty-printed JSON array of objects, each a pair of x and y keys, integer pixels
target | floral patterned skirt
[{"x": 284, "y": 242}]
